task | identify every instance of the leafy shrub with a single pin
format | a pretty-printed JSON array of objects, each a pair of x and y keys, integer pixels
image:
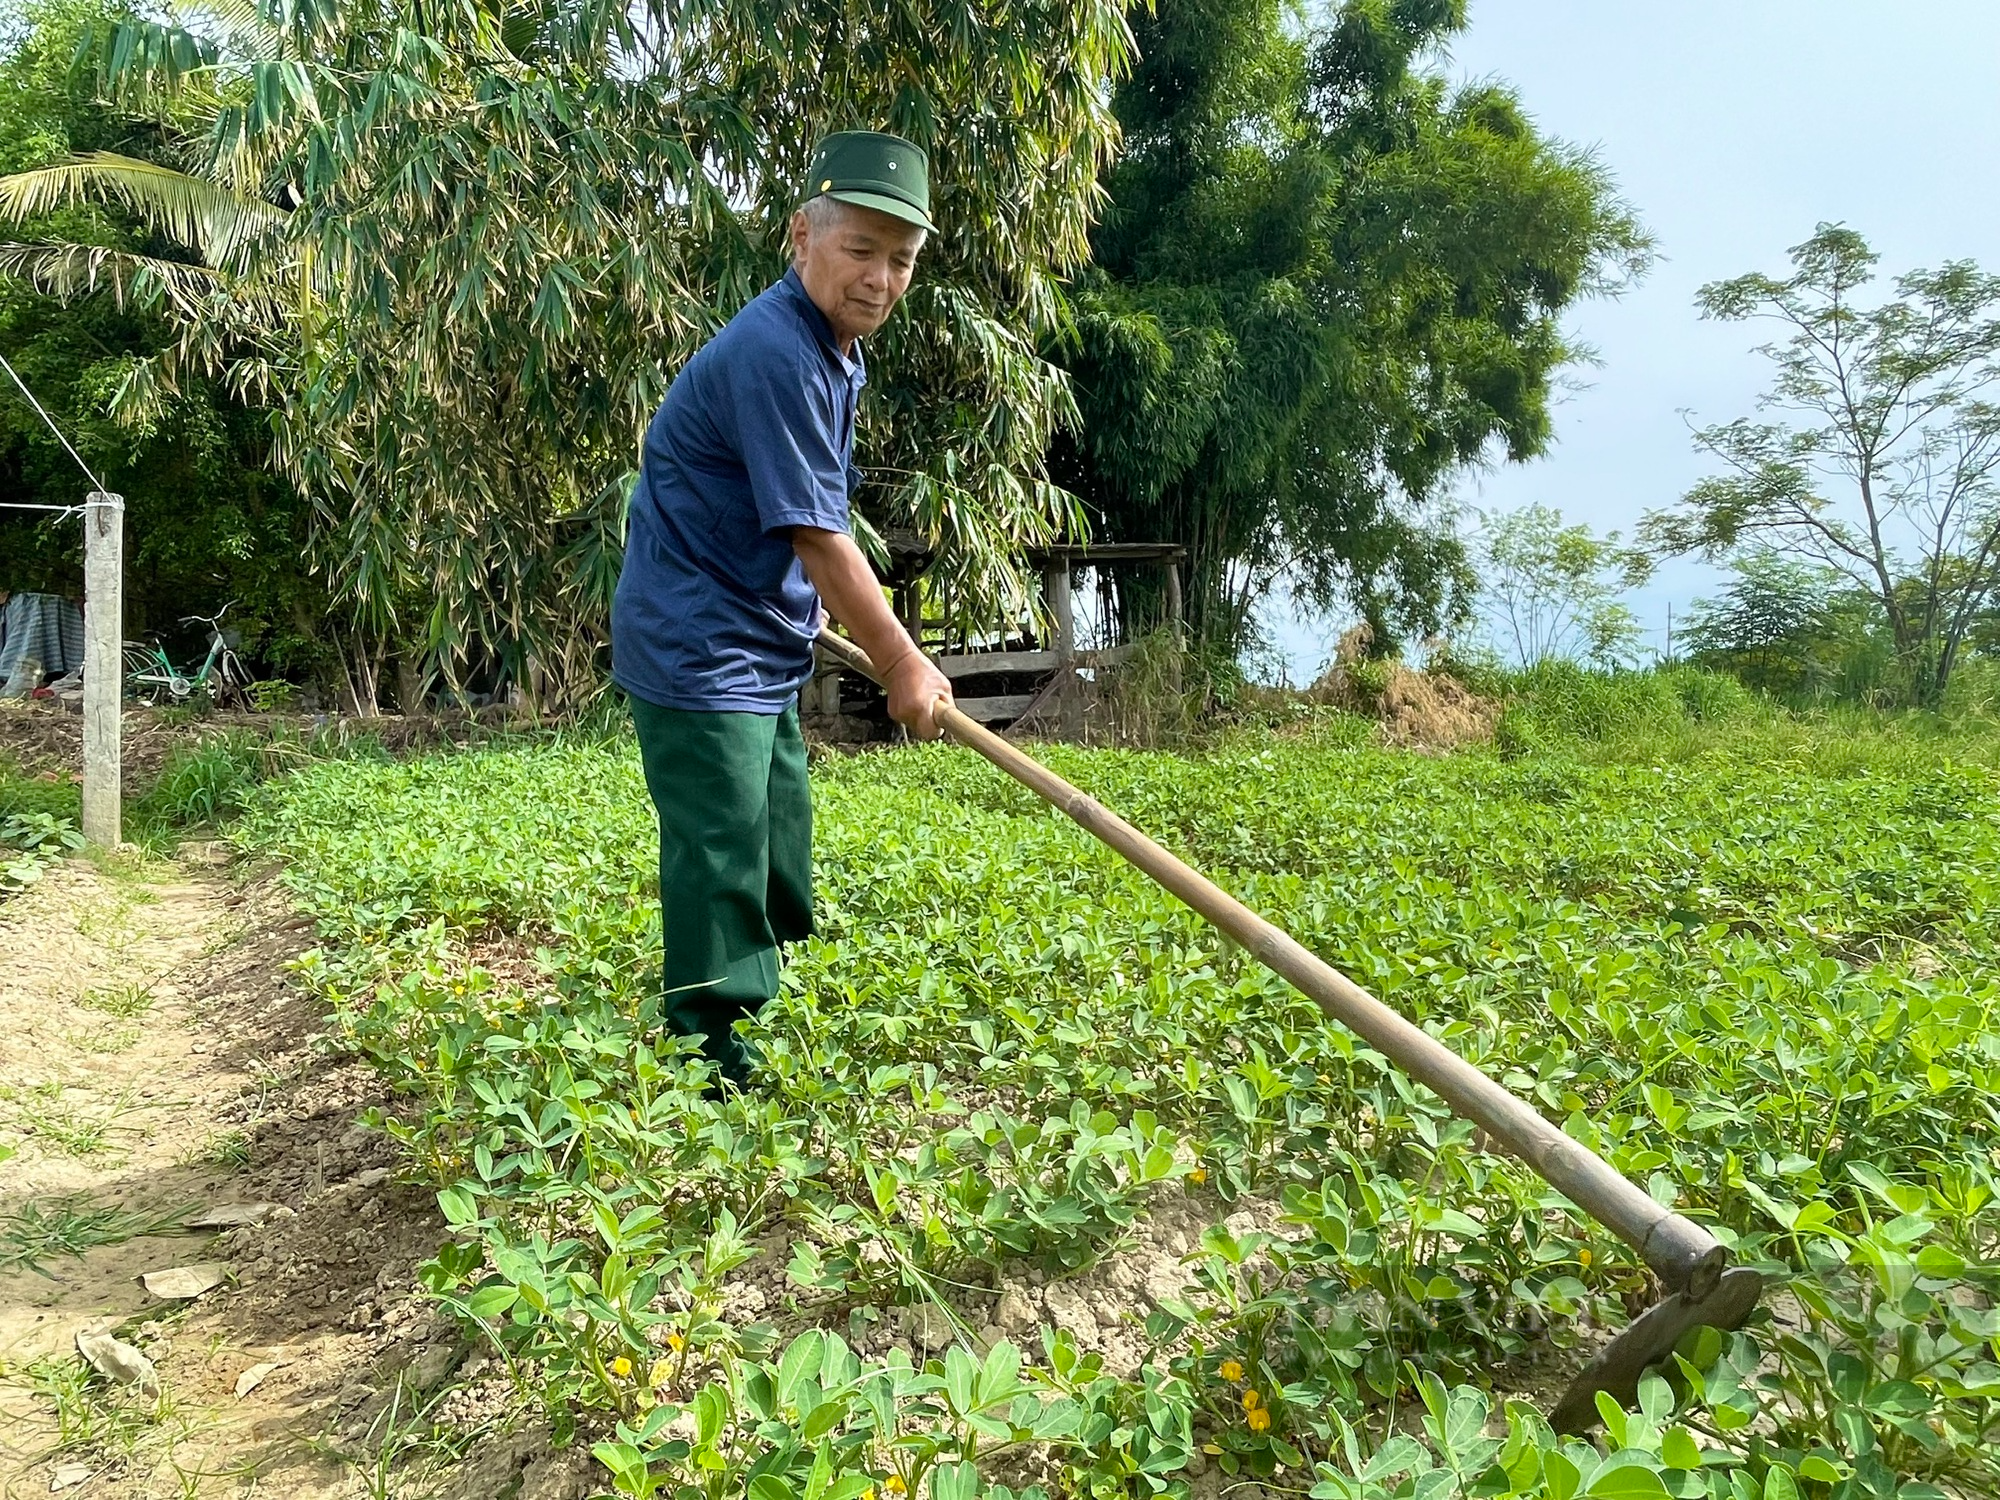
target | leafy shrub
[
  {"x": 37, "y": 823},
  {"x": 27, "y": 841},
  {"x": 23, "y": 793},
  {"x": 272, "y": 695}
]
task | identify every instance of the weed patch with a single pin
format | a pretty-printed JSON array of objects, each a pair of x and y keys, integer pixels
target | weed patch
[
  {"x": 58, "y": 1124},
  {"x": 122, "y": 1001},
  {"x": 40, "y": 1233}
]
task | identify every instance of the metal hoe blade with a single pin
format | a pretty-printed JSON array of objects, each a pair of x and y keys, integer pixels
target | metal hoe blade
[{"x": 1650, "y": 1338}]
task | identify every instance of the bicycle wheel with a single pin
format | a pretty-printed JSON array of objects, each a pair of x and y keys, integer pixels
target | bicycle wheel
[
  {"x": 145, "y": 679},
  {"x": 226, "y": 691}
]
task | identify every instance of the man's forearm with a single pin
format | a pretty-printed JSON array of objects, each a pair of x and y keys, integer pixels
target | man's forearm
[{"x": 847, "y": 587}]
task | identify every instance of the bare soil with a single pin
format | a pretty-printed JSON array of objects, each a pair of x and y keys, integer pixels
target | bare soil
[{"x": 156, "y": 1061}]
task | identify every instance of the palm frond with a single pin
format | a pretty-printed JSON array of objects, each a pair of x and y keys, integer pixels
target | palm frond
[
  {"x": 69, "y": 271},
  {"x": 240, "y": 29},
  {"x": 210, "y": 220}
]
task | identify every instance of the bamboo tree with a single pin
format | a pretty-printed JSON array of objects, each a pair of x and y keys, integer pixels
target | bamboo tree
[{"x": 463, "y": 251}]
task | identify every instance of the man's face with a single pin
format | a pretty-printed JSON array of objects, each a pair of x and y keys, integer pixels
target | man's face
[{"x": 855, "y": 264}]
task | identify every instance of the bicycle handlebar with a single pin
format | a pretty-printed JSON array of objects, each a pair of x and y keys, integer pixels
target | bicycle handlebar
[{"x": 213, "y": 622}]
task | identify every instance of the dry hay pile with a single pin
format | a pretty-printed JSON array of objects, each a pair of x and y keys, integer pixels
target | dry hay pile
[{"x": 1417, "y": 710}]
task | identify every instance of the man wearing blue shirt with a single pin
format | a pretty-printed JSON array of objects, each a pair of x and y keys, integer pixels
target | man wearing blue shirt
[{"x": 737, "y": 533}]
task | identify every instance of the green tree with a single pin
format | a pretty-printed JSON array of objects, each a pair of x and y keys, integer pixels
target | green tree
[
  {"x": 206, "y": 521},
  {"x": 1553, "y": 591},
  {"x": 1325, "y": 282},
  {"x": 1883, "y": 463},
  {"x": 1789, "y": 627},
  {"x": 461, "y": 251}
]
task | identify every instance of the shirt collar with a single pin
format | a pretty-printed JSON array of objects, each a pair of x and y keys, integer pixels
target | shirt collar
[{"x": 816, "y": 321}]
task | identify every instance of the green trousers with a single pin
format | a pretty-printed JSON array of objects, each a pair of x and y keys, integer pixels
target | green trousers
[{"x": 735, "y": 863}]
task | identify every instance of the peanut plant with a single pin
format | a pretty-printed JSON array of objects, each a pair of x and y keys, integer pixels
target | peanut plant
[{"x": 1766, "y": 994}]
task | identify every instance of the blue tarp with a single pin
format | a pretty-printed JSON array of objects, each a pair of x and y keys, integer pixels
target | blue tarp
[{"x": 39, "y": 634}]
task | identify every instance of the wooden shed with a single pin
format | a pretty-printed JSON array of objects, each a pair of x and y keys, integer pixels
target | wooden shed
[{"x": 1011, "y": 678}]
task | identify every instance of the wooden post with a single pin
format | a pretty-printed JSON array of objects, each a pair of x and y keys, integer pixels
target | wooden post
[
  {"x": 1055, "y": 586},
  {"x": 822, "y": 697},
  {"x": 103, "y": 667}
]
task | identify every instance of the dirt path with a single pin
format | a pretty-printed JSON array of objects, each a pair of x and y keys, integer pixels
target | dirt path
[{"x": 157, "y": 1066}]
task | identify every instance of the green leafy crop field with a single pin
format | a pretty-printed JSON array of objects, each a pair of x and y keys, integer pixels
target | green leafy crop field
[{"x": 1049, "y": 1189}]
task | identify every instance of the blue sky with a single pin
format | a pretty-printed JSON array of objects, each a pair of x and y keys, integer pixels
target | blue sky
[{"x": 1732, "y": 128}]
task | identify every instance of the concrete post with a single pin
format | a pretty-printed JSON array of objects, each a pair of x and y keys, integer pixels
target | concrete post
[{"x": 103, "y": 667}]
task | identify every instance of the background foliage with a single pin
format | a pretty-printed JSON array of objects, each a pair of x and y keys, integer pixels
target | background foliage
[
  {"x": 1552, "y": 590},
  {"x": 1883, "y": 465},
  {"x": 460, "y": 252}
]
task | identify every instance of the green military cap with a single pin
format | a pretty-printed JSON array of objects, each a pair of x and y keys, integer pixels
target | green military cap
[{"x": 873, "y": 170}]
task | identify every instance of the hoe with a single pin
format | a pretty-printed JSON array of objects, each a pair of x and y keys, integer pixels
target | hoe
[{"x": 1702, "y": 1288}]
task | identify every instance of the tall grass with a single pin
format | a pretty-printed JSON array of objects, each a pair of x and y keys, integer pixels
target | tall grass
[
  {"x": 1556, "y": 700},
  {"x": 1680, "y": 714},
  {"x": 203, "y": 783}
]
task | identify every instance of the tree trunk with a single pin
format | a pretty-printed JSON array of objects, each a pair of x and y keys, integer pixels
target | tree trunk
[
  {"x": 361, "y": 675},
  {"x": 409, "y": 681}
]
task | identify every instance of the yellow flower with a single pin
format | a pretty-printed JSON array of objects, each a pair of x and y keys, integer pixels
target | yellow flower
[
  {"x": 893, "y": 1485},
  {"x": 1198, "y": 1176},
  {"x": 1583, "y": 1257},
  {"x": 1251, "y": 1400},
  {"x": 1259, "y": 1420},
  {"x": 621, "y": 1367},
  {"x": 676, "y": 1343},
  {"x": 1230, "y": 1370}
]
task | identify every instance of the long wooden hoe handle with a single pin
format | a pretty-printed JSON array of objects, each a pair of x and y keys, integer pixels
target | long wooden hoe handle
[{"x": 1686, "y": 1257}]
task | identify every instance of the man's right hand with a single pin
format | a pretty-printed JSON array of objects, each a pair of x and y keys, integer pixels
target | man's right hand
[
  {"x": 915, "y": 687},
  {"x": 852, "y": 596}
]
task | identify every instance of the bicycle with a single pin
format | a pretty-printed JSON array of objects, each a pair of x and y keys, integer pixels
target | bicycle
[{"x": 153, "y": 678}]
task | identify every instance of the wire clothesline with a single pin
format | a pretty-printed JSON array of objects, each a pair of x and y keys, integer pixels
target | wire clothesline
[{"x": 96, "y": 484}]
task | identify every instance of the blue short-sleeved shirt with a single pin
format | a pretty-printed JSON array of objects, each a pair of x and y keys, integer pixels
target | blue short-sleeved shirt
[{"x": 714, "y": 611}]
